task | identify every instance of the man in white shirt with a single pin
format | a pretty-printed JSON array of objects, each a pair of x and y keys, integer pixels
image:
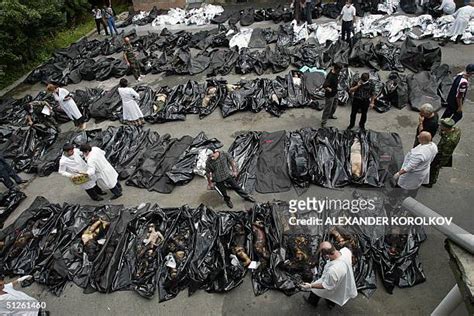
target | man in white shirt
[
  {"x": 337, "y": 283},
  {"x": 99, "y": 20},
  {"x": 447, "y": 7},
  {"x": 99, "y": 166},
  {"x": 461, "y": 22},
  {"x": 348, "y": 16},
  {"x": 12, "y": 301},
  {"x": 415, "y": 170},
  {"x": 72, "y": 165}
]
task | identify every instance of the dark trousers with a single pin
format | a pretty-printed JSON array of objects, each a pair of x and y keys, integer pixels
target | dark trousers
[
  {"x": 135, "y": 68},
  {"x": 329, "y": 108},
  {"x": 308, "y": 12},
  {"x": 94, "y": 192},
  {"x": 221, "y": 186},
  {"x": 117, "y": 189},
  {"x": 346, "y": 31},
  {"x": 99, "y": 22},
  {"x": 453, "y": 113},
  {"x": 363, "y": 106},
  {"x": 313, "y": 299},
  {"x": 6, "y": 173}
]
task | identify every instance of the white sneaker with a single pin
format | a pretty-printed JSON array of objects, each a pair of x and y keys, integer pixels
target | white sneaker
[{"x": 139, "y": 79}]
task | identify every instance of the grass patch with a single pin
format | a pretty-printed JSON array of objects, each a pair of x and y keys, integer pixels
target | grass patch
[{"x": 62, "y": 39}]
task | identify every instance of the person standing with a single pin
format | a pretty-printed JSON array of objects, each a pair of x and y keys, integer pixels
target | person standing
[
  {"x": 450, "y": 136},
  {"x": 337, "y": 283},
  {"x": 72, "y": 165},
  {"x": 348, "y": 16},
  {"x": 308, "y": 11},
  {"x": 131, "y": 59},
  {"x": 12, "y": 301},
  {"x": 457, "y": 94},
  {"x": 221, "y": 171},
  {"x": 131, "y": 111},
  {"x": 330, "y": 93},
  {"x": 462, "y": 17},
  {"x": 99, "y": 166},
  {"x": 110, "y": 17},
  {"x": 415, "y": 169},
  {"x": 7, "y": 173},
  {"x": 364, "y": 97},
  {"x": 66, "y": 102},
  {"x": 427, "y": 121},
  {"x": 99, "y": 20}
]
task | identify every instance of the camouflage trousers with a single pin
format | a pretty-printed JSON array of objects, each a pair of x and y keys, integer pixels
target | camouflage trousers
[
  {"x": 438, "y": 162},
  {"x": 135, "y": 68}
]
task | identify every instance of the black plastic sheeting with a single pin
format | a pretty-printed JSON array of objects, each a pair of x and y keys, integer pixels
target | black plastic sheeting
[
  {"x": 9, "y": 201},
  {"x": 321, "y": 157},
  {"x": 425, "y": 56},
  {"x": 148, "y": 249}
]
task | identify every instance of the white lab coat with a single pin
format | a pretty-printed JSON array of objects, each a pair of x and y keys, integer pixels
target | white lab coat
[
  {"x": 13, "y": 295},
  {"x": 417, "y": 166},
  {"x": 338, "y": 279},
  {"x": 130, "y": 108},
  {"x": 71, "y": 166},
  {"x": 448, "y": 6},
  {"x": 463, "y": 15},
  {"x": 69, "y": 106},
  {"x": 99, "y": 166}
]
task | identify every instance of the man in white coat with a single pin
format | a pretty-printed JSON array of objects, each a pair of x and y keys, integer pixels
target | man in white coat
[
  {"x": 98, "y": 165},
  {"x": 67, "y": 104},
  {"x": 131, "y": 111},
  {"x": 14, "y": 302},
  {"x": 72, "y": 165},
  {"x": 463, "y": 16},
  {"x": 337, "y": 283},
  {"x": 415, "y": 169}
]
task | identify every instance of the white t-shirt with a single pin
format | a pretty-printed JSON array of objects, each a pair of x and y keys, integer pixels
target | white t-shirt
[
  {"x": 97, "y": 13},
  {"x": 13, "y": 295},
  {"x": 348, "y": 13},
  {"x": 417, "y": 166},
  {"x": 338, "y": 279}
]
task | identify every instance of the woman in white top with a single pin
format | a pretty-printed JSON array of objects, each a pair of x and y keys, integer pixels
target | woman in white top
[
  {"x": 66, "y": 102},
  {"x": 131, "y": 111}
]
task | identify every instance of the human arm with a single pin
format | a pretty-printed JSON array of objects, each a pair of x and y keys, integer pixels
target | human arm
[
  {"x": 210, "y": 184},
  {"x": 372, "y": 101},
  {"x": 29, "y": 120},
  {"x": 21, "y": 279},
  {"x": 233, "y": 165},
  {"x": 355, "y": 87},
  {"x": 421, "y": 119},
  {"x": 314, "y": 285},
  {"x": 62, "y": 171},
  {"x": 125, "y": 57}
]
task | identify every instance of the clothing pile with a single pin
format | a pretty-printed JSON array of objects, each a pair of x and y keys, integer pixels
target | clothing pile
[
  {"x": 273, "y": 162},
  {"x": 148, "y": 248},
  {"x": 199, "y": 16}
]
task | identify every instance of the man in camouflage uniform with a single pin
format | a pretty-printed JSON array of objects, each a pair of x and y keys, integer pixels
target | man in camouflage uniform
[
  {"x": 450, "y": 137},
  {"x": 131, "y": 59}
]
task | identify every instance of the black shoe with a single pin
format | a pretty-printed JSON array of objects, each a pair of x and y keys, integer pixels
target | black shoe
[
  {"x": 101, "y": 193},
  {"x": 98, "y": 199},
  {"x": 229, "y": 204},
  {"x": 362, "y": 128},
  {"x": 323, "y": 124},
  {"x": 329, "y": 304},
  {"x": 349, "y": 127},
  {"x": 250, "y": 199},
  {"x": 116, "y": 196},
  {"x": 428, "y": 185},
  {"x": 306, "y": 298},
  {"x": 332, "y": 117},
  {"x": 22, "y": 181}
]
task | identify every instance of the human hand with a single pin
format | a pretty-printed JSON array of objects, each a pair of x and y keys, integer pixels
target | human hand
[
  {"x": 372, "y": 105},
  {"x": 235, "y": 173},
  {"x": 305, "y": 285},
  {"x": 396, "y": 176},
  {"x": 210, "y": 186},
  {"x": 25, "y": 277},
  {"x": 328, "y": 89},
  {"x": 459, "y": 110}
]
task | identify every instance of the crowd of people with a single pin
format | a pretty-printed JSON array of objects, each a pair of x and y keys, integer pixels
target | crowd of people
[{"x": 88, "y": 168}]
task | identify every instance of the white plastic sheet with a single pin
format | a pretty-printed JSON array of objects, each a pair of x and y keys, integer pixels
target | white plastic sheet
[{"x": 200, "y": 16}]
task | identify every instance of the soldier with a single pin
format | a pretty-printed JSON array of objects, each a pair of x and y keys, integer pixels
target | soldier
[
  {"x": 131, "y": 59},
  {"x": 450, "y": 137}
]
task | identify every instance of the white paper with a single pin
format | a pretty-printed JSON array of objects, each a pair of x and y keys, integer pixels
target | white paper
[
  {"x": 46, "y": 111},
  {"x": 254, "y": 265}
]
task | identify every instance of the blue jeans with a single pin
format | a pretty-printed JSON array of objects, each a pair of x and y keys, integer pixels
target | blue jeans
[{"x": 111, "y": 23}]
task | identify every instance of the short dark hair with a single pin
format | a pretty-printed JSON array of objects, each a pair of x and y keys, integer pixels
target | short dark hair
[
  {"x": 365, "y": 76},
  {"x": 328, "y": 251},
  {"x": 85, "y": 148},
  {"x": 123, "y": 82},
  {"x": 68, "y": 147},
  {"x": 337, "y": 66}
]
